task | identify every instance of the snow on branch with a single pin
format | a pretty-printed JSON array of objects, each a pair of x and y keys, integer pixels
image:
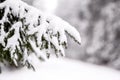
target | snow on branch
[{"x": 26, "y": 31}]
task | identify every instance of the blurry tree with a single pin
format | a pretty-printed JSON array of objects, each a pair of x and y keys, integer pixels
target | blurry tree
[
  {"x": 30, "y": 2},
  {"x": 98, "y": 21}
]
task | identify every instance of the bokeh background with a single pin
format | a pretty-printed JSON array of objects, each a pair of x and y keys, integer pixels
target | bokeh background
[{"x": 98, "y": 22}]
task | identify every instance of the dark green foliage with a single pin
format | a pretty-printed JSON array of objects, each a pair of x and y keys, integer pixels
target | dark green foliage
[
  {"x": 5, "y": 55},
  {"x": 2, "y": 1},
  {"x": 7, "y": 26},
  {"x": 2, "y": 13}
]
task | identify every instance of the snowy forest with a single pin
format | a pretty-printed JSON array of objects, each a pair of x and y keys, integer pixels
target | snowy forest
[{"x": 59, "y": 39}]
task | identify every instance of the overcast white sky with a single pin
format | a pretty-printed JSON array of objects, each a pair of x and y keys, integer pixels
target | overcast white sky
[{"x": 48, "y": 6}]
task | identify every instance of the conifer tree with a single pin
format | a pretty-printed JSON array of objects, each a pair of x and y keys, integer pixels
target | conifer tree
[{"x": 26, "y": 31}]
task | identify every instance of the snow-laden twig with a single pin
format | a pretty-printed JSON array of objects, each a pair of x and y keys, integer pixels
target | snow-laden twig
[{"x": 24, "y": 30}]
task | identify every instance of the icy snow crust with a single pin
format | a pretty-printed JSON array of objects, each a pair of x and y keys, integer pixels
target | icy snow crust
[
  {"x": 32, "y": 32},
  {"x": 61, "y": 69}
]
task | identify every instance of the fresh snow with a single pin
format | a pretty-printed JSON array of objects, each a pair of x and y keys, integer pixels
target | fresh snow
[
  {"x": 43, "y": 32},
  {"x": 61, "y": 69}
]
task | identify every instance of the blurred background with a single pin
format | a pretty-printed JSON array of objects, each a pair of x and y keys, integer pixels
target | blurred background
[{"x": 98, "y": 22}]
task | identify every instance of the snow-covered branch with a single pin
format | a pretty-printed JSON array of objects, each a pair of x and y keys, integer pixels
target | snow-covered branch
[{"x": 26, "y": 31}]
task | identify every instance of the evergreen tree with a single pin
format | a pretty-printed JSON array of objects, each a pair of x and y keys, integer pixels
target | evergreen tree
[{"x": 26, "y": 32}]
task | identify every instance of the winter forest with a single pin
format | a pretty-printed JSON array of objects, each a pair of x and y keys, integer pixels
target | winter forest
[{"x": 59, "y": 39}]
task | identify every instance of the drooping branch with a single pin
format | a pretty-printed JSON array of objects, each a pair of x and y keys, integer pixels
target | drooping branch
[{"x": 25, "y": 31}]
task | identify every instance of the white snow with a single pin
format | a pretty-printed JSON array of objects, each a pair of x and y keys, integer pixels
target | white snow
[
  {"x": 40, "y": 25},
  {"x": 61, "y": 69},
  {"x": 60, "y": 25}
]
